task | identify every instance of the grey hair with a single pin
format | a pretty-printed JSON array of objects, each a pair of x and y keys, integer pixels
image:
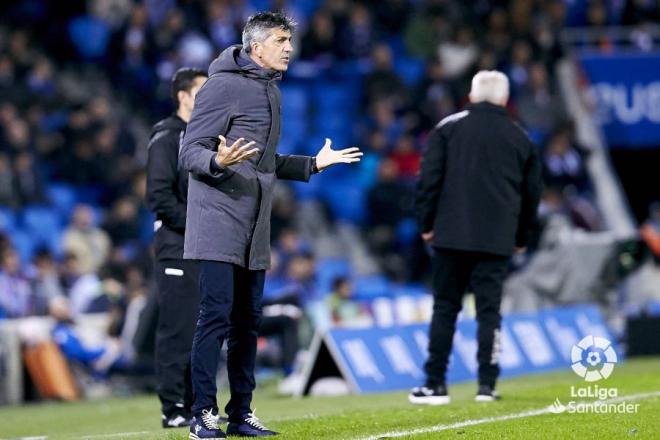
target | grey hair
[
  {"x": 491, "y": 86},
  {"x": 258, "y": 27}
]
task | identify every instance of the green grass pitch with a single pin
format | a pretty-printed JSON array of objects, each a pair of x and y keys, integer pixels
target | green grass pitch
[{"x": 377, "y": 415}]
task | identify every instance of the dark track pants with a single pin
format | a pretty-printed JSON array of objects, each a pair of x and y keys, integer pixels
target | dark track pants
[
  {"x": 230, "y": 308},
  {"x": 453, "y": 272},
  {"x": 178, "y": 308}
]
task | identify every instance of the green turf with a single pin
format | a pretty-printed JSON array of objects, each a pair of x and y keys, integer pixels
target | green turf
[{"x": 355, "y": 417}]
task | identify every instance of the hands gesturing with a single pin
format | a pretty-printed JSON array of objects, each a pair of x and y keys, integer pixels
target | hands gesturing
[
  {"x": 327, "y": 156},
  {"x": 227, "y": 156}
]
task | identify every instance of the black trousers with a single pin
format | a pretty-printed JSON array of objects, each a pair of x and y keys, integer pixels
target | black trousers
[
  {"x": 286, "y": 329},
  {"x": 178, "y": 304},
  {"x": 453, "y": 272},
  {"x": 230, "y": 308}
]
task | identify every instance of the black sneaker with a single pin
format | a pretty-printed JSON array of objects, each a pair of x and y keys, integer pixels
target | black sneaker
[
  {"x": 250, "y": 426},
  {"x": 175, "y": 421},
  {"x": 487, "y": 393},
  {"x": 429, "y": 396}
]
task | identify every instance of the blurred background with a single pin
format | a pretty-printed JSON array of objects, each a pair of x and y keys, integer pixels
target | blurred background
[{"x": 81, "y": 83}]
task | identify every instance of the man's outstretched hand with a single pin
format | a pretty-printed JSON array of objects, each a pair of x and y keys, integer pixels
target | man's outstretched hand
[
  {"x": 328, "y": 157},
  {"x": 227, "y": 156}
]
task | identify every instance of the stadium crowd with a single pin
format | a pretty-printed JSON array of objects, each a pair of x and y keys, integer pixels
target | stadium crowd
[{"x": 80, "y": 83}]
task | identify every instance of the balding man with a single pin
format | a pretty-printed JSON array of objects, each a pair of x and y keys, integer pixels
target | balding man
[{"x": 476, "y": 202}]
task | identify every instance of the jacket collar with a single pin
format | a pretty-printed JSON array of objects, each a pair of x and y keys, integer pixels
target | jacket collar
[
  {"x": 487, "y": 107},
  {"x": 248, "y": 66}
]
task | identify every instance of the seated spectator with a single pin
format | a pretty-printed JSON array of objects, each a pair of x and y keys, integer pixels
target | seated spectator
[
  {"x": 383, "y": 81},
  {"x": 86, "y": 292},
  {"x": 318, "y": 43},
  {"x": 345, "y": 311},
  {"x": 406, "y": 157},
  {"x": 29, "y": 183},
  {"x": 88, "y": 244},
  {"x": 123, "y": 223},
  {"x": 17, "y": 299},
  {"x": 96, "y": 351},
  {"x": 562, "y": 163},
  {"x": 539, "y": 108},
  {"x": 8, "y": 196},
  {"x": 45, "y": 279}
]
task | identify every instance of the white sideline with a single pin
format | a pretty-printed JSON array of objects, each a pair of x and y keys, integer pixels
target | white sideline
[
  {"x": 520, "y": 415},
  {"x": 118, "y": 434}
]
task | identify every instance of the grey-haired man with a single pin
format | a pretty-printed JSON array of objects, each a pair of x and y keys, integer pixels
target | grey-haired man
[{"x": 229, "y": 203}]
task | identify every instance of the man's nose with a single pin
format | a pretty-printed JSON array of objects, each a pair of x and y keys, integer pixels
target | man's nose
[{"x": 288, "y": 47}]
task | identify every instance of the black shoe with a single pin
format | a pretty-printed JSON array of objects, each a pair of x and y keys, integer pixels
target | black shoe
[
  {"x": 176, "y": 421},
  {"x": 429, "y": 396},
  {"x": 487, "y": 393},
  {"x": 250, "y": 426}
]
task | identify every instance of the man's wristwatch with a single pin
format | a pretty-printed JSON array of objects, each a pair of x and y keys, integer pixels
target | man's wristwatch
[{"x": 315, "y": 169}]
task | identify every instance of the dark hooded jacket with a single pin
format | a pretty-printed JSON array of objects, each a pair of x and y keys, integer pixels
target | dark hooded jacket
[
  {"x": 167, "y": 187},
  {"x": 229, "y": 209}
]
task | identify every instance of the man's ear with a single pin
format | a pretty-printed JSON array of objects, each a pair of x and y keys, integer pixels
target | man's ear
[
  {"x": 181, "y": 95},
  {"x": 256, "y": 49}
]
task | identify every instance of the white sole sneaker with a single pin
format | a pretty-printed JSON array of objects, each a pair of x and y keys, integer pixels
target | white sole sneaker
[
  {"x": 429, "y": 400},
  {"x": 484, "y": 399}
]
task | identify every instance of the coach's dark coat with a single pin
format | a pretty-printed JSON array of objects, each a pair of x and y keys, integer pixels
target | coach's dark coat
[
  {"x": 480, "y": 182},
  {"x": 228, "y": 216}
]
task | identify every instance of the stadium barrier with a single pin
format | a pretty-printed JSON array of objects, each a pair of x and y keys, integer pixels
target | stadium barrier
[{"x": 377, "y": 359}]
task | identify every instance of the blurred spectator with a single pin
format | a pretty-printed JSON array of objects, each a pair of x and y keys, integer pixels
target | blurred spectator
[
  {"x": 8, "y": 196},
  {"x": 406, "y": 157},
  {"x": 345, "y": 311},
  {"x": 562, "y": 163},
  {"x": 357, "y": 37},
  {"x": 29, "y": 183},
  {"x": 89, "y": 244},
  {"x": 123, "y": 223},
  {"x": 46, "y": 283},
  {"x": 16, "y": 297},
  {"x": 383, "y": 81},
  {"x": 318, "y": 43},
  {"x": 538, "y": 107},
  {"x": 459, "y": 54},
  {"x": 96, "y": 351}
]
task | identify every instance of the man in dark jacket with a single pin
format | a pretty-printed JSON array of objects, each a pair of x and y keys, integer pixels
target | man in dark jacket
[
  {"x": 176, "y": 278},
  {"x": 229, "y": 203},
  {"x": 476, "y": 202}
]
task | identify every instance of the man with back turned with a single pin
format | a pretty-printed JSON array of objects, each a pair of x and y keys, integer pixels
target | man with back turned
[
  {"x": 476, "y": 203},
  {"x": 229, "y": 203}
]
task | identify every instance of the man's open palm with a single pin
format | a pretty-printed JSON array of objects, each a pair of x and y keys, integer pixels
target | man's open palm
[
  {"x": 327, "y": 156},
  {"x": 227, "y": 156}
]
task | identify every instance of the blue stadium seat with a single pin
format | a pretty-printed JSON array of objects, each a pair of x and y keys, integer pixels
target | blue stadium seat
[
  {"x": 90, "y": 36},
  {"x": 411, "y": 70},
  {"x": 43, "y": 224},
  {"x": 346, "y": 200},
  {"x": 63, "y": 198},
  {"x": 335, "y": 97},
  {"x": 371, "y": 286},
  {"x": 294, "y": 100},
  {"x": 307, "y": 7},
  {"x": 327, "y": 269},
  {"x": 25, "y": 245},
  {"x": 7, "y": 220}
]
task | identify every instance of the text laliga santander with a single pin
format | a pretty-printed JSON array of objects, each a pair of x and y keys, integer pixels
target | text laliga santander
[{"x": 594, "y": 392}]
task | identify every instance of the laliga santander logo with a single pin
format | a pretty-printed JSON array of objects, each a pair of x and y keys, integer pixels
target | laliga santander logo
[{"x": 593, "y": 358}]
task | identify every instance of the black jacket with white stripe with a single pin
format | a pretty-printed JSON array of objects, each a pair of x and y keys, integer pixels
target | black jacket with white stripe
[
  {"x": 167, "y": 188},
  {"x": 480, "y": 182}
]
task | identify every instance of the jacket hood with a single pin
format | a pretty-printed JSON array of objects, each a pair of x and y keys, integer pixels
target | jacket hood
[
  {"x": 172, "y": 122},
  {"x": 235, "y": 60}
]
